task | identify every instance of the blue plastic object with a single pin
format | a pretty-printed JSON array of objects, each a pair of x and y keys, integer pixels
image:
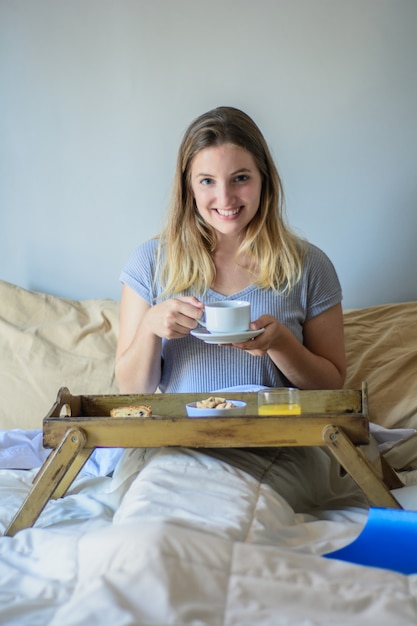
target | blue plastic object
[{"x": 388, "y": 541}]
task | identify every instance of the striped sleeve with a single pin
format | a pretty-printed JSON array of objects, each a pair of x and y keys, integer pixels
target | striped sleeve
[
  {"x": 139, "y": 271},
  {"x": 323, "y": 286}
]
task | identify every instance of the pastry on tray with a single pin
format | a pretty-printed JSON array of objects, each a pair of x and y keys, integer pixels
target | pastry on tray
[{"x": 140, "y": 410}]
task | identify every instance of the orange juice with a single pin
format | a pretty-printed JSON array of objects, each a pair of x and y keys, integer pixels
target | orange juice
[{"x": 279, "y": 409}]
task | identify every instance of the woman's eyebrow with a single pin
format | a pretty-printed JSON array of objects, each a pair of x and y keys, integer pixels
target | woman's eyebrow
[
  {"x": 241, "y": 170},
  {"x": 238, "y": 171}
]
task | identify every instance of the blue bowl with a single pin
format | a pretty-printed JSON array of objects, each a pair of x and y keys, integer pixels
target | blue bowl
[{"x": 238, "y": 408}]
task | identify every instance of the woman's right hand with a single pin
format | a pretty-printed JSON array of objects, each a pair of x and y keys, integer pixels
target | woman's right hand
[
  {"x": 141, "y": 330},
  {"x": 173, "y": 318}
]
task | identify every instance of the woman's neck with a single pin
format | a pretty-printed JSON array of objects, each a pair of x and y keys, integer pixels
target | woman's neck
[{"x": 232, "y": 273}]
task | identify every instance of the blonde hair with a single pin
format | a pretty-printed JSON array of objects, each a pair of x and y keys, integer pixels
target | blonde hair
[{"x": 187, "y": 242}]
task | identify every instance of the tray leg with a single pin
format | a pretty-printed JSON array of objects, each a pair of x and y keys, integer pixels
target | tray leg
[
  {"x": 359, "y": 468},
  {"x": 72, "y": 472},
  {"x": 47, "y": 480}
]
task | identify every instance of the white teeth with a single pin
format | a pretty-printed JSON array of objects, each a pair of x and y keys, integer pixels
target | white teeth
[{"x": 227, "y": 213}]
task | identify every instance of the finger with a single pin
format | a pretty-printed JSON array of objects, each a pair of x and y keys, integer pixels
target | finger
[
  {"x": 191, "y": 300},
  {"x": 262, "y": 322},
  {"x": 191, "y": 310}
]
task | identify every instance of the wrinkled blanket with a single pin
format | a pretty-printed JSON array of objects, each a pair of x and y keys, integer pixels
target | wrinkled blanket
[{"x": 179, "y": 536}]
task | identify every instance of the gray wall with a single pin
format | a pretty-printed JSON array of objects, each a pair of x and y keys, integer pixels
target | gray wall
[{"x": 95, "y": 95}]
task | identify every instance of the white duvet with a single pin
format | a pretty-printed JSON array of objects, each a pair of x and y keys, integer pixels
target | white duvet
[{"x": 177, "y": 536}]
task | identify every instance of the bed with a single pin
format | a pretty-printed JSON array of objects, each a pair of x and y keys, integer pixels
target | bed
[{"x": 179, "y": 536}]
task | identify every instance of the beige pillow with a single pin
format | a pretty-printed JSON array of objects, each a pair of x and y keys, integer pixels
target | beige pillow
[
  {"x": 48, "y": 342},
  {"x": 381, "y": 348}
]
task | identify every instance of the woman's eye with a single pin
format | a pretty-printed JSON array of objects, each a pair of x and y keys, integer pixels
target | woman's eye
[
  {"x": 205, "y": 181},
  {"x": 241, "y": 178}
]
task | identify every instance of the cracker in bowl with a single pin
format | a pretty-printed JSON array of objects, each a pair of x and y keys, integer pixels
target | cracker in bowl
[{"x": 214, "y": 403}]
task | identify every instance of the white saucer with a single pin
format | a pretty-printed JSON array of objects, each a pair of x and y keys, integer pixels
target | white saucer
[{"x": 237, "y": 337}]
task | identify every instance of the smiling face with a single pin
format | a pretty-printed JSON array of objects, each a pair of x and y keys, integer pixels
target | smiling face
[{"x": 226, "y": 185}]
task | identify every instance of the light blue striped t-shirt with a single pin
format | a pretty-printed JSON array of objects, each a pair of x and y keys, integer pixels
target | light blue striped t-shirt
[{"x": 190, "y": 365}]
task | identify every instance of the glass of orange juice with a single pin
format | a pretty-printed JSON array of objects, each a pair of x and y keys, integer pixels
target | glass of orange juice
[{"x": 279, "y": 401}]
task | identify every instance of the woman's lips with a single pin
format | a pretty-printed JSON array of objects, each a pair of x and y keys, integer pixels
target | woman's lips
[{"x": 228, "y": 212}]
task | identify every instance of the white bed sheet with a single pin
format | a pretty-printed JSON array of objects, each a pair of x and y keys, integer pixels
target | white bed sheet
[{"x": 182, "y": 537}]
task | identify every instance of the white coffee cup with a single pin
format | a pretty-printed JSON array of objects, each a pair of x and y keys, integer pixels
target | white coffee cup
[{"x": 227, "y": 316}]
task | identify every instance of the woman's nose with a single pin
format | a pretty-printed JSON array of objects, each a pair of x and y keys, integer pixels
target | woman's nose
[{"x": 225, "y": 195}]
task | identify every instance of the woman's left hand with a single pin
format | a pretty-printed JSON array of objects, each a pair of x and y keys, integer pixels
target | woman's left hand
[
  {"x": 316, "y": 363},
  {"x": 259, "y": 346}
]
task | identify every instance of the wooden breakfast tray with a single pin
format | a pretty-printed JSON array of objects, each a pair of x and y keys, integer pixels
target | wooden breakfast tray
[{"x": 76, "y": 425}]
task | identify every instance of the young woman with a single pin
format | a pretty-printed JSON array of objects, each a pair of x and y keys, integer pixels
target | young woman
[{"x": 226, "y": 238}]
